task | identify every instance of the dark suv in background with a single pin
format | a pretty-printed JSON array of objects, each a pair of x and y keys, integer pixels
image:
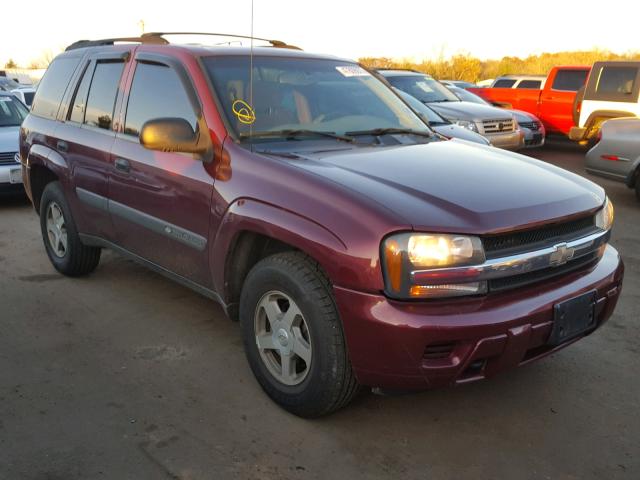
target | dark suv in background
[{"x": 354, "y": 245}]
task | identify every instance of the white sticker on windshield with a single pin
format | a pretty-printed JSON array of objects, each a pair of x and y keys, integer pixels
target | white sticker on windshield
[{"x": 353, "y": 71}]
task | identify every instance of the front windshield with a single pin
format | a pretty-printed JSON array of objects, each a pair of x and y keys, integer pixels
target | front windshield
[
  {"x": 467, "y": 96},
  {"x": 422, "y": 87},
  {"x": 12, "y": 112},
  {"x": 8, "y": 83},
  {"x": 304, "y": 94},
  {"x": 421, "y": 109}
]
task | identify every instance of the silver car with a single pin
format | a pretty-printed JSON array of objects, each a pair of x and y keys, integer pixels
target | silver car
[
  {"x": 440, "y": 124},
  {"x": 497, "y": 125},
  {"x": 617, "y": 154},
  {"x": 12, "y": 112}
]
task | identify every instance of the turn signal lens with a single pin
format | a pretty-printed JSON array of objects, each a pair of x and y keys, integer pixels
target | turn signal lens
[
  {"x": 393, "y": 262},
  {"x": 604, "y": 218},
  {"x": 452, "y": 290}
]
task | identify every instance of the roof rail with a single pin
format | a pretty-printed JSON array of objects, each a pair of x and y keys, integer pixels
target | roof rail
[{"x": 157, "y": 38}]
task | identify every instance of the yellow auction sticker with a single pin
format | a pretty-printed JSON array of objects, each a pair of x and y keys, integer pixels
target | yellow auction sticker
[{"x": 243, "y": 112}]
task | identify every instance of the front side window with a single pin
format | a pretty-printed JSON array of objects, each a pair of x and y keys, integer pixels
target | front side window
[
  {"x": 422, "y": 87},
  {"x": 102, "y": 94},
  {"x": 304, "y": 94},
  {"x": 12, "y": 111},
  {"x": 156, "y": 92},
  {"x": 504, "y": 83}
]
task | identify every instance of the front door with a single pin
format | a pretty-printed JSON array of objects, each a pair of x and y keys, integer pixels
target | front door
[{"x": 160, "y": 201}]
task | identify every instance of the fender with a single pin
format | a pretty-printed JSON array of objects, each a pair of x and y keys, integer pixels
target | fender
[
  {"x": 249, "y": 215},
  {"x": 47, "y": 157},
  {"x": 588, "y": 131}
]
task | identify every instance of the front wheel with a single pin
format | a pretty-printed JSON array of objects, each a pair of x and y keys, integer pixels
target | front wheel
[{"x": 293, "y": 336}]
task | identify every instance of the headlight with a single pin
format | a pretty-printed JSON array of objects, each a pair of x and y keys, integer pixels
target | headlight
[
  {"x": 468, "y": 125},
  {"x": 604, "y": 218},
  {"x": 411, "y": 262}
]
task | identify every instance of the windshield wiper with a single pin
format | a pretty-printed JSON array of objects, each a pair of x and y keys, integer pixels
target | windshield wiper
[
  {"x": 291, "y": 134},
  {"x": 390, "y": 131}
]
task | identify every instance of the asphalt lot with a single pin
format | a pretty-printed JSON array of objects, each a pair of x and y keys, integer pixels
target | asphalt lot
[{"x": 126, "y": 375}]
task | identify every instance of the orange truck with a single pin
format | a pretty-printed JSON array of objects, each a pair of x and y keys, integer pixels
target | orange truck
[{"x": 555, "y": 105}]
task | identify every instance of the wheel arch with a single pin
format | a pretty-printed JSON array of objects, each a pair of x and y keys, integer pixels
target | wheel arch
[
  {"x": 44, "y": 166},
  {"x": 252, "y": 230}
]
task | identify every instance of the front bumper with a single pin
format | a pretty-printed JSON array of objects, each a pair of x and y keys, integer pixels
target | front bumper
[
  {"x": 415, "y": 346},
  {"x": 509, "y": 141}
]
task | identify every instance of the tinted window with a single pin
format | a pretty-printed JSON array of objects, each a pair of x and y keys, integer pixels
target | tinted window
[
  {"x": 616, "y": 80},
  {"x": 504, "y": 83},
  {"x": 569, "y": 80},
  {"x": 156, "y": 92},
  {"x": 28, "y": 97},
  {"x": 102, "y": 94},
  {"x": 534, "y": 84},
  {"x": 80, "y": 98},
  {"x": 12, "y": 111},
  {"x": 52, "y": 87}
]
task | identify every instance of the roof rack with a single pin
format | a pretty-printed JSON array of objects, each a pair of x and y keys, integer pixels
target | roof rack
[{"x": 157, "y": 38}]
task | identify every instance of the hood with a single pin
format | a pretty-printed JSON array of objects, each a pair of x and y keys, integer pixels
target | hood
[
  {"x": 9, "y": 139},
  {"x": 457, "y": 187},
  {"x": 456, "y": 131},
  {"x": 523, "y": 117},
  {"x": 469, "y": 111}
]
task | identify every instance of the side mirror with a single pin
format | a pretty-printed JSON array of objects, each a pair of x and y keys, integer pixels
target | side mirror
[{"x": 170, "y": 135}]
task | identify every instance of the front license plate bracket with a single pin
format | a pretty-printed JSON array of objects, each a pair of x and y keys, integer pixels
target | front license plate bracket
[{"x": 573, "y": 318}]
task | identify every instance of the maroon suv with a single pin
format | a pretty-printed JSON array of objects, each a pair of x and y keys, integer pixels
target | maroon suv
[{"x": 355, "y": 246}]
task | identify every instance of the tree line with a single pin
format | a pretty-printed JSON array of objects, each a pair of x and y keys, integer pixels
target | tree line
[{"x": 472, "y": 69}]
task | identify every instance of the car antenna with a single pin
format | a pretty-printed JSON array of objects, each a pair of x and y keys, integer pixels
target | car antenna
[{"x": 251, "y": 79}]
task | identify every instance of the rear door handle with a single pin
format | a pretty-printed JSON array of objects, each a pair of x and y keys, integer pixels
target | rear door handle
[
  {"x": 62, "y": 146},
  {"x": 123, "y": 165}
]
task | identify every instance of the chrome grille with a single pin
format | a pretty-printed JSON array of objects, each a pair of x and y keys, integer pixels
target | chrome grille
[
  {"x": 503, "y": 125},
  {"x": 7, "y": 158}
]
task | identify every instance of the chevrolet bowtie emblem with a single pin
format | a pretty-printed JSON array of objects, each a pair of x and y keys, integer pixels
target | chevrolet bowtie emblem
[{"x": 561, "y": 255}]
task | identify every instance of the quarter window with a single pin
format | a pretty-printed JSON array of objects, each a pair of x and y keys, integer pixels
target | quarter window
[
  {"x": 616, "y": 80},
  {"x": 52, "y": 87},
  {"x": 80, "y": 98},
  {"x": 156, "y": 92},
  {"x": 102, "y": 94},
  {"x": 569, "y": 80},
  {"x": 530, "y": 84}
]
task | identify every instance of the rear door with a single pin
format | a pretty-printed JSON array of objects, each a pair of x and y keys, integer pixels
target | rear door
[
  {"x": 86, "y": 136},
  {"x": 160, "y": 201},
  {"x": 557, "y": 97}
]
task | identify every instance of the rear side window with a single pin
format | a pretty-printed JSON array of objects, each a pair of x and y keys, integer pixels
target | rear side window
[
  {"x": 102, "y": 94},
  {"x": 156, "y": 92},
  {"x": 569, "y": 80},
  {"x": 616, "y": 80},
  {"x": 532, "y": 84},
  {"x": 504, "y": 83},
  {"x": 52, "y": 87}
]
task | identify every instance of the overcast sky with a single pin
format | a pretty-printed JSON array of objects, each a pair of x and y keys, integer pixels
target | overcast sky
[{"x": 401, "y": 29}]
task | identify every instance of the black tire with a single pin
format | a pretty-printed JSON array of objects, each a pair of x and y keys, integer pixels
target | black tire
[
  {"x": 577, "y": 101},
  {"x": 638, "y": 186},
  {"x": 329, "y": 383},
  {"x": 78, "y": 259}
]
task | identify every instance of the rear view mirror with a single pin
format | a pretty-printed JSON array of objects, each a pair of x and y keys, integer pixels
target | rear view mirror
[{"x": 169, "y": 135}]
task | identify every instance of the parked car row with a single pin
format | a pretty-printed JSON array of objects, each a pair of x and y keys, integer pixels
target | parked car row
[
  {"x": 355, "y": 246},
  {"x": 24, "y": 92},
  {"x": 12, "y": 113}
]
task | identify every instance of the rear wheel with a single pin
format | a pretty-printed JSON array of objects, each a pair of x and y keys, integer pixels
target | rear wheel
[
  {"x": 638, "y": 186},
  {"x": 293, "y": 336},
  {"x": 61, "y": 240}
]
